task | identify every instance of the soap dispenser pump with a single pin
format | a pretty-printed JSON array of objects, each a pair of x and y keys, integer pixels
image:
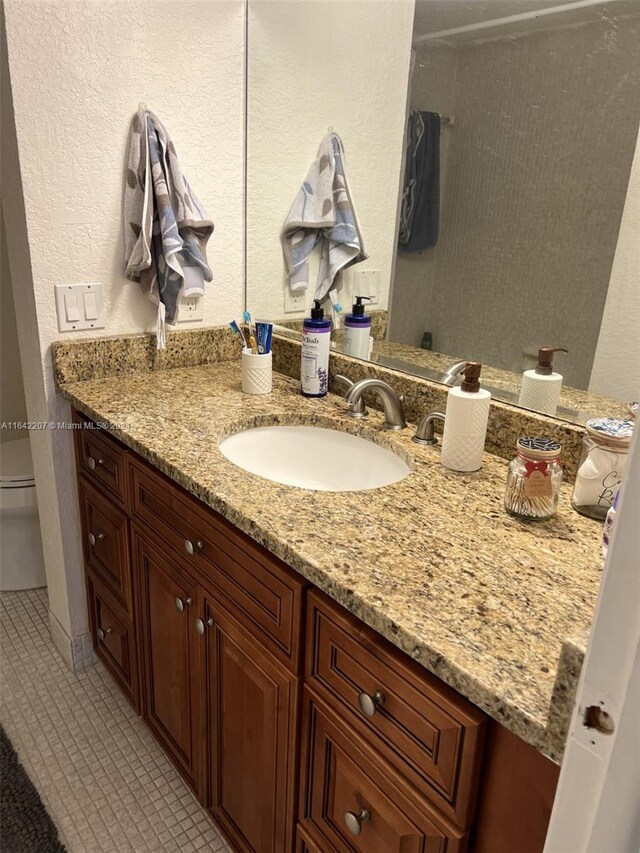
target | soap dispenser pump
[
  {"x": 541, "y": 387},
  {"x": 465, "y": 423},
  {"x": 357, "y": 330},
  {"x": 316, "y": 341}
]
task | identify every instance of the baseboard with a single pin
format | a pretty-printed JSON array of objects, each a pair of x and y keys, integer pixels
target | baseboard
[{"x": 77, "y": 652}]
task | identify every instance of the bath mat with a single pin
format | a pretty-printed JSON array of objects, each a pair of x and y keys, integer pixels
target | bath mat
[{"x": 25, "y": 826}]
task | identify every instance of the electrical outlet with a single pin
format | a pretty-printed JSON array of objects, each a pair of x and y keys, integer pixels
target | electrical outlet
[
  {"x": 294, "y": 303},
  {"x": 190, "y": 309}
]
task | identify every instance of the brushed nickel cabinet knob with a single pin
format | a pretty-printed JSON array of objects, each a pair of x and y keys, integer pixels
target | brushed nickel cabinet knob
[
  {"x": 354, "y": 821},
  {"x": 102, "y": 633},
  {"x": 93, "y": 538},
  {"x": 369, "y": 704},
  {"x": 191, "y": 547},
  {"x": 201, "y": 625},
  {"x": 91, "y": 462},
  {"x": 182, "y": 603}
]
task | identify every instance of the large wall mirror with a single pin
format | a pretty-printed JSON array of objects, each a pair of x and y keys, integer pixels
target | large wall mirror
[{"x": 490, "y": 155}]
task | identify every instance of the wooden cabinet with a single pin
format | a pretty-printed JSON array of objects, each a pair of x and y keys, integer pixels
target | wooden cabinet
[
  {"x": 105, "y": 533},
  {"x": 167, "y": 643},
  {"x": 432, "y": 735},
  {"x": 309, "y": 734},
  {"x": 113, "y": 637},
  {"x": 354, "y": 800},
  {"x": 101, "y": 459},
  {"x": 250, "y": 702}
]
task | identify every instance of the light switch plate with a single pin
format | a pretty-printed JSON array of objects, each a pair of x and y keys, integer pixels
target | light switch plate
[
  {"x": 190, "y": 309},
  {"x": 366, "y": 283},
  {"x": 79, "y": 306}
]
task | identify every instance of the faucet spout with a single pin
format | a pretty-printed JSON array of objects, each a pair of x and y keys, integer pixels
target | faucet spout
[
  {"x": 391, "y": 403},
  {"x": 452, "y": 375}
]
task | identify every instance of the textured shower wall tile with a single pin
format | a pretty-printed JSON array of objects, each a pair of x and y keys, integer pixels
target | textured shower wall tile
[{"x": 537, "y": 171}]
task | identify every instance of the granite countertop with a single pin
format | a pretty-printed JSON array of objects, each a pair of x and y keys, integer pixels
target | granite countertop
[
  {"x": 583, "y": 403},
  {"x": 497, "y": 608}
]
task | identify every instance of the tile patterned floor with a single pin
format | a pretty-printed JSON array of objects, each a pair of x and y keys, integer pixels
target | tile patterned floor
[{"x": 105, "y": 782}]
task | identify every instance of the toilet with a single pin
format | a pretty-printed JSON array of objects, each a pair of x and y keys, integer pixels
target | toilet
[{"x": 21, "y": 560}]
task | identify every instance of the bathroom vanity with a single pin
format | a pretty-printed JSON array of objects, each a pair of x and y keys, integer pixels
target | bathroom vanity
[{"x": 327, "y": 671}]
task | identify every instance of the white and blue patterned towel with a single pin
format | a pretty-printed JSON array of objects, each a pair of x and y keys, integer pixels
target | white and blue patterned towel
[
  {"x": 323, "y": 212},
  {"x": 166, "y": 229}
]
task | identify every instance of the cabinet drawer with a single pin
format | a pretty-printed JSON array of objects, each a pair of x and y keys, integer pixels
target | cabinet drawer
[
  {"x": 106, "y": 545},
  {"x": 101, "y": 459},
  {"x": 358, "y": 802},
  {"x": 266, "y": 595},
  {"x": 304, "y": 842},
  {"x": 431, "y": 734},
  {"x": 113, "y": 637}
]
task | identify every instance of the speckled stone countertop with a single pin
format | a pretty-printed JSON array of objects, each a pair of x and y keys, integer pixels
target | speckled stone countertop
[
  {"x": 586, "y": 405},
  {"x": 497, "y": 608}
]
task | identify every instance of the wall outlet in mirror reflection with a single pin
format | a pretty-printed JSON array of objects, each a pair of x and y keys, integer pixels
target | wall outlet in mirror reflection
[{"x": 294, "y": 303}]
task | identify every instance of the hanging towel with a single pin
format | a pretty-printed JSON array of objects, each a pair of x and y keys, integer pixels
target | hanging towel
[
  {"x": 166, "y": 229},
  {"x": 420, "y": 212},
  {"x": 323, "y": 212}
]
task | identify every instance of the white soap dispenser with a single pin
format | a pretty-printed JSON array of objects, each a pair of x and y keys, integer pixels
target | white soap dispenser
[
  {"x": 465, "y": 423},
  {"x": 541, "y": 387}
]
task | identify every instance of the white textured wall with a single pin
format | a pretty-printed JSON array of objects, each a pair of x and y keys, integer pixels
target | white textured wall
[
  {"x": 78, "y": 71},
  {"x": 313, "y": 65},
  {"x": 616, "y": 366}
]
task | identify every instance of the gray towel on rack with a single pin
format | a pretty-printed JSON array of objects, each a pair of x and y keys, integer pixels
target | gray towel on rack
[
  {"x": 166, "y": 229},
  {"x": 420, "y": 212},
  {"x": 323, "y": 212}
]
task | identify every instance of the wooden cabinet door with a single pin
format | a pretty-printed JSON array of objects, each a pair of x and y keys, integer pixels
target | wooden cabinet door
[
  {"x": 168, "y": 653},
  {"x": 251, "y": 706},
  {"x": 357, "y": 802}
]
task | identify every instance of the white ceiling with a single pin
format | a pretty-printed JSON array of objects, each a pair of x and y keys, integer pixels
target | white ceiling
[{"x": 434, "y": 16}]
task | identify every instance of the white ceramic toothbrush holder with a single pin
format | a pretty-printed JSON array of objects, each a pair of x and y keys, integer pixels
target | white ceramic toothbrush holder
[{"x": 257, "y": 372}]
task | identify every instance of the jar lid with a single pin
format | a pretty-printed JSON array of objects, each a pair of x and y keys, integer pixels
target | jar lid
[
  {"x": 612, "y": 430},
  {"x": 538, "y": 448}
]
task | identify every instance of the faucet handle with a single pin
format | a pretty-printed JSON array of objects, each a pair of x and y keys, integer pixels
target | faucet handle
[
  {"x": 357, "y": 409},
  {"x": 425, "y": 434}
]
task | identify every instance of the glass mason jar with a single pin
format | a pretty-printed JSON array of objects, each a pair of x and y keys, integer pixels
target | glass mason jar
[
  {"x": 534, "y": 479},
  {"x": 605, "y": 448}
]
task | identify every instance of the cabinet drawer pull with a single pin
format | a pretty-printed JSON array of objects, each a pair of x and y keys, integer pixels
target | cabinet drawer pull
[
  {"x": 369, "y": 704},
  {"x": 93, "y": 538},
  {"x": 102, "y": 633},
  {"x": 91, "y": 462},
  {"x": 201, "y": 625},
  {"x": 181, "y": 603},
  {"x": 354, "y": 821},
  {"x": 191, "y": 547}
]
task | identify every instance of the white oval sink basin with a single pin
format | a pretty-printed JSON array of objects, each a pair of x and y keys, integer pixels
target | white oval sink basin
[{"x": 309, "y": 457}]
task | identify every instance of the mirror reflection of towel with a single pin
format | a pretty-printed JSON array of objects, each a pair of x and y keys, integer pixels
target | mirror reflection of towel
[
  {"x": 323, "y": 213},
  {"x": 420, "y": 212}
]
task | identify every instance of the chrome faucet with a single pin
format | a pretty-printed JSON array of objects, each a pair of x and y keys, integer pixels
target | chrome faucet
[
  {"x": 392, "y": 404},
  {"x": 452, "y": 374}
]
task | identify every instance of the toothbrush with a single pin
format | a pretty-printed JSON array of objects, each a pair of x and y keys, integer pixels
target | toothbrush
[
  {"x": 247, "y": 318},
  {"x": 238, "y": 331}
]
